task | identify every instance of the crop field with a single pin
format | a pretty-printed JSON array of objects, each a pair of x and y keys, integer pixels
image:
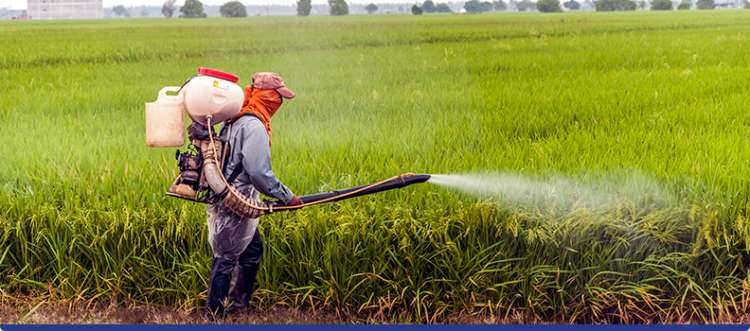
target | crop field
[{"x": 84, "y": 218}]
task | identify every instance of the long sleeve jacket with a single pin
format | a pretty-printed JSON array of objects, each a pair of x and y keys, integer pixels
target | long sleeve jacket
[{"x": 249, "y": 150}]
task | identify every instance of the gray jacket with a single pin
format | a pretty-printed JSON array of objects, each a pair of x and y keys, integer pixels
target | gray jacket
[{"x": 250, "y": 150}]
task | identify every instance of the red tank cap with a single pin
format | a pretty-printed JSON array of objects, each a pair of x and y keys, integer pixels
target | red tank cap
[{"x": 218, "y": 74}]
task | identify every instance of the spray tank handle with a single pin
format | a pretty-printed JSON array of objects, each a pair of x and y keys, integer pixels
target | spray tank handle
[{"x": 185, "y": 83}]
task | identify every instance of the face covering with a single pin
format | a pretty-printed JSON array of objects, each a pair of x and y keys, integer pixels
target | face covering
[{"x": 263, "y": 104}]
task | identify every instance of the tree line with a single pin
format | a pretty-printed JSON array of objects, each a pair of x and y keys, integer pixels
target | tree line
[
  {"x": 548, "y": 6},
  {"x": 194, "y": 8}
]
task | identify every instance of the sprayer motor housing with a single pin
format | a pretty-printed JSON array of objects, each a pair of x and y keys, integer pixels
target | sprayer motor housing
[{"x": 190, "y": 184}]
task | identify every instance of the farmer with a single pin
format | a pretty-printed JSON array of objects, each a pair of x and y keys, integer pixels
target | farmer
[{"x": 235, "y": 240}]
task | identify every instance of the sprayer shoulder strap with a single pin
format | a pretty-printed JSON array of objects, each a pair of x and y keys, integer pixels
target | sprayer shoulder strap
[
  {"x": 237, "y": 169},
  {"x": 226, "y": 146},
  {"x": 227, "y": 152},
  {"x": 235, "y": 173}
]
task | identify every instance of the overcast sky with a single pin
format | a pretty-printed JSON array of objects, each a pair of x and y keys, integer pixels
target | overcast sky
[{"x": 21, "y": 4}]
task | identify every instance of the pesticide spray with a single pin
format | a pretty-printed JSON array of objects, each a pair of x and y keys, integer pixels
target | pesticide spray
[{"x": 562, "y": 194}]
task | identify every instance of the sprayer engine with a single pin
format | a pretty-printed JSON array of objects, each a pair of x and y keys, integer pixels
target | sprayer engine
[
  {"x": 189, "y": 162},
  {"x": 191, "y": 184}
]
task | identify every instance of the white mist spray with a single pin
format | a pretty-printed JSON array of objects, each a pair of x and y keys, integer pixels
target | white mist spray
[{"x": 560, "y": 193}]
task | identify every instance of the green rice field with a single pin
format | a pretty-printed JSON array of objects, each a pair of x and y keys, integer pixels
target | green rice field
[{"x": 83, "y": 215}]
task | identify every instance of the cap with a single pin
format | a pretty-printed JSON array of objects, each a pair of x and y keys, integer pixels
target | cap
[{"x": 272, "y": 81}]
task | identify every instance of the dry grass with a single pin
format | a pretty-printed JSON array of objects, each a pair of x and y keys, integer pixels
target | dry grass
[{"x": 35, "y": 310}]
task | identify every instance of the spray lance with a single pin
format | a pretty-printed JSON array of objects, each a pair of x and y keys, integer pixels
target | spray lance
[{"x": 210, "y": 98}]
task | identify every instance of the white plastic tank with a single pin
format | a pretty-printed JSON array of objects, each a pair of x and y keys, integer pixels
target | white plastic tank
[
  {"x": 164, "y": 119},
  {"x": 213, "y": 93}
]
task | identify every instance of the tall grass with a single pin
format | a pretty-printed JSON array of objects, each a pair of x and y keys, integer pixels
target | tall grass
[{"x": 82, "y": 211}]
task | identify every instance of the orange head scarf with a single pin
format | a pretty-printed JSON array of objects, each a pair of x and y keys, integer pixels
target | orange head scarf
[{"x": 262, "y": 103}]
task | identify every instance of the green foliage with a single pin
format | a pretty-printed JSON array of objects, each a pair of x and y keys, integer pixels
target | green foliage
[
  {"x": 416, "y": 10},
  {"x": 428, "y": 6},
  {"x": 525, "y": 5},
  {"x": 705, "y": 4},
  {"x": 443, "y": 8},
  {"x": 233, "y": 9},
  {"x": 548, "y": 6},
  {"x": 499, "y": 5},
  {"x": 614, "y": 5},
  {"x": 83, "y": 215},
  {"x": 120, "y": 10},
  {"x": 477, "y": 6},
  {"x": 685, "y": 5},
  {"x": 167, "y": 9},
  {"x": 192, "y": 9},
  {"x": 371, "y": 8},
  {"x": 572, "y": 5},
  {"x": 338, "y": 7},
  {"x": 661, "y": 4},
  {"x": 304, "y": 7}
]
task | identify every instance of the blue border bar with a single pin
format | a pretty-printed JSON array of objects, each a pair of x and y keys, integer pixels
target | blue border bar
[{"x": 350, "y": 327}]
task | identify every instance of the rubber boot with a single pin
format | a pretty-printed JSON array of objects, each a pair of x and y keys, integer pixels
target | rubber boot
[
  {"x": 221, "y": 275},
  {"x": 243, "y": 288}
]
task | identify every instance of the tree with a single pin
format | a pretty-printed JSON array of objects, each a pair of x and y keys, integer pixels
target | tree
[
  {"x": 525, "y": 5},
  {"x": 705, "y": 4},
  {"x": 120, "y": 10},
  {"x": 304, "y": 7},
  {"x": 476, "y": 6},
  {"x": 747, "y": 4},
  {"x": 443, "y": 8},
  {"x": 428, "y": 6},
  {"x": 499, "y": 5},
  {"x": 415, "y": 10},
  {"x": 192, "y": 9},
  {"x": 371, "y": 8},
  {"x": 572, "y": 5},
  {"x": 338, "y": 7},
  {"x": 548, "y": 6},
  {"x": 167, "y": 9},
  {"x": 684, "y": 5},
  {"x": 614, "y": 5},
  {"x": 233, "y": 9},
  {"x": 661, "y": 4}
]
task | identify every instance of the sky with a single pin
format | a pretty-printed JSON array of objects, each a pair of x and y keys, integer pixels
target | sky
[{"x": 21, "y": 4}]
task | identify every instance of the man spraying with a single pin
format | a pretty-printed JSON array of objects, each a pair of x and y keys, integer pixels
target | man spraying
[
  {"x": 231, "y": 170},
  {"x": 235, "y": 240}
]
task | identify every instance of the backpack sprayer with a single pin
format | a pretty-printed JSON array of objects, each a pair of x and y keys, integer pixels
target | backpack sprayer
[{"x": 210, "y": 98}]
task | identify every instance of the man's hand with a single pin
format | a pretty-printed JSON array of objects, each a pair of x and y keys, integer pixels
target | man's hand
[{"x": 296, "y": 201}]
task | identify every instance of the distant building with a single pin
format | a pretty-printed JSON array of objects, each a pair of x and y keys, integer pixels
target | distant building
[{"x": 64, "y": 9}]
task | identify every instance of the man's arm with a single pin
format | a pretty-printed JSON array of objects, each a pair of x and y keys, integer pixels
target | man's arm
[{"x": 256, "y": 161}]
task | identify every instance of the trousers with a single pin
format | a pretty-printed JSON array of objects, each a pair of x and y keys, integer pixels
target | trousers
[{"x": 245, "y": 268}]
